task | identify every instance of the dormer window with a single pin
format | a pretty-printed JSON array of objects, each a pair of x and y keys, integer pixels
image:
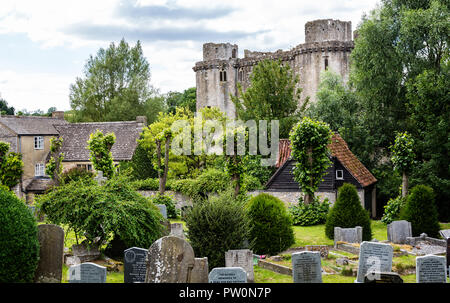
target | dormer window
[
  {"x": 38, "y": 142},
  {"x": 339, "y": 174},
  {"x": 223, "y": 75}
]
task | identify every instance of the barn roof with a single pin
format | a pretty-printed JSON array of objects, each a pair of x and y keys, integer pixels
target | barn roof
[{"x": 341, "y": 151}]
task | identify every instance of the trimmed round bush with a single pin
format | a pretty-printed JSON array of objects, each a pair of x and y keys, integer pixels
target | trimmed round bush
[
  {"x": 347, "y": 212},
  {"x": 270, "y": 225},
  {"x": 19, "y": 244},
  {"x": 215, "y": 226},
  {"x": 421, "y": 211}
]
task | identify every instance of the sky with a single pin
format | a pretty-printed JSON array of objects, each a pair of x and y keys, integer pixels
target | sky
[{"x": 45, "y": 44}]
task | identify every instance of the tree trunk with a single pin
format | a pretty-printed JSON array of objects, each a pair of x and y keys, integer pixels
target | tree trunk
[
  {"x": 309, "y": 197},
  {"x": 404, "y": 184}
]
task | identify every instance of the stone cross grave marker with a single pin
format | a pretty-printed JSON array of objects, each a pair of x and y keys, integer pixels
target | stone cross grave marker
[
  {"x": 134, "y": 265},
  {"x": 241, "y": 258},
  {"x": 398, "y": 231},
  {"x": 446, "y": 235},
  {"x": 306, "y": 267},
  {"x": 176, "y": 230},
  {"x": 431, "y": 269},
  {"x": 163, "y": 210},
  {"x": 349, "y": 235},
  {"x": 51, "y": 254},
  {"x": 169, "y": 260},
  {"x": 99, "y": 178},
  {"x": 374, "y": 257},
  {"x": 200, "y": 271},
  {"x": 227, "y": 275},
  {"x": 87, "y": 273}
]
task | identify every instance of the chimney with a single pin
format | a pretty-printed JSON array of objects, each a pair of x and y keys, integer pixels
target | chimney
[{"x": 58, "y": 115}]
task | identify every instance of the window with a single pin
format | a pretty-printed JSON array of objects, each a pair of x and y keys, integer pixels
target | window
[
  {"x": 223, "y": 75},
  {"x": 241, "y": 75},
  {"x": 38, "y": 142},
  {"x": 39, "y": 169},
  {"x": 87, "y": 167},
  {"x": 233, "y": 53},
  {"x": 326, "y": 63},
  {"x": 339, "y": 174}
]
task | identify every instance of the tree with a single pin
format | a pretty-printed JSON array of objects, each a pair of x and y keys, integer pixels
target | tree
[
  {"x": 11, "y": 166},
  {"x": 186, "y": 99},
  {"x": 100, "y": 146},
  {"x": 115, "y": 86},
  {"x": 5, "y": 109},
  {"x": 309, "y": 141},
  {"x": 54, "y": 165},
  {"x": 403, "y": 157},
  {"x": 272, "y": 95}
]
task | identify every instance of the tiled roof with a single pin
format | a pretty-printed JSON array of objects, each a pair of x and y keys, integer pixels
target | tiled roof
[
  {"x": 39, "y": 184},
  {"x": 341, "y": 151},
  {"x": 31, "y": 125},
  {"x": 76, "y": 135}
]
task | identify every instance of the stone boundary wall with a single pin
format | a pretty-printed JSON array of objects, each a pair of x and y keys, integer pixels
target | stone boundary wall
[{"x": 275, "y": 267}]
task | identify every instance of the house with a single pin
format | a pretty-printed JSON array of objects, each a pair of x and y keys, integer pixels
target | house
[
  {"x": 345, "y": 168},
  {"x": 30, "y": 136}
]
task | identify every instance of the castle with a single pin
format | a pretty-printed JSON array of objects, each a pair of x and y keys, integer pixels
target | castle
[{"x": 328, "y": 44}]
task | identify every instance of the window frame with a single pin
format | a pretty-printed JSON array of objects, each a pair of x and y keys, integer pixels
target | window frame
[
  {"x": 38, "y": 142},
  {"x": 39, "y": 169},
  {"x": 342, "y": 174}
]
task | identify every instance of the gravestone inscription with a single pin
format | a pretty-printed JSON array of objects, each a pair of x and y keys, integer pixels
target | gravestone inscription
[
  {"x": 398, "y": 231},
  {"x": 134, "y": 265},
  {"x": 51, "y": 254},
  {"x": 87, "y": 273},
  {"x": 431, "y": 269},
  {"x": 227, "y": 275},
  {"x": 306, "y": 267},
  {"x": 241, "y": 258},
  {"x": 374, "y": 257}
]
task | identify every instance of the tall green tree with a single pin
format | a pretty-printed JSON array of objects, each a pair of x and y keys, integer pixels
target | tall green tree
[
  {"x": 273, "y": 94},
  {"x": 5, "y": 109},
  {"x": 115, "y": 85},
  {"x": 100, "y": 146},
  {"x": 185, "y": 99},
  {"x": 11, "y": 166},
  {"x": 403, "y": 157}
]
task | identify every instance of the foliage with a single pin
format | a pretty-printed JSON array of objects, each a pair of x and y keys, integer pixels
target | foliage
[
  {"x": 5, "y": 109},
  {"x": 310, "y": 214},
  {"x": 141, "y": 164},
  {"x": 273, "y": 94},
  {"x": 168, "y": 201},
  {"x": 309, "y": 141},
  {"x": 100, "y": 146},
  {"x": 115, "y": 86},
  {"x": 11, "y": 166},
  {"x": 250, "y": 183},
  {"x": 420, "y": 210},
  {"x": 270, "y": 225},
  {"x": 114, "y": 210},
  {"x": 75, "y": 174},
  {"x": 54, "y": 165},
  {"x": 402, "y": 152},
  {"x": 19, "y": 244},
  {"x": 252, "y": 168},
  {"x": 185, "y": 99},
  {"x": 392, "y": 209},
  {"x": 215, "y": 226},
  {"x": 347, "y": 212}
]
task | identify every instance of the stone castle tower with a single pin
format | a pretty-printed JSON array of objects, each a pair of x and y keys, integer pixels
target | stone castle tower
[{"x": 328, "y": 44}]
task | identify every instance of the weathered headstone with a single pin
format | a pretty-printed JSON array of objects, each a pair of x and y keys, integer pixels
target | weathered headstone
[
  {"x": 176, "y": 230},
  {"x": 398, "y": 231},
  {"x": 85, "y": 252},
  {"x": 446, "y": 235},
  {"x": 99, "y": 178},
  {"x": 431, "y": 269},
  {"x": 306, "y": 267},
  {"x": 169, "y": 260},
  {"x": 163, "y": 210},
  {"x": 349, "y": 235},
  {"x": 200, "y": 271},
  {"x": 374, "y": 257},
  {"x": 323, "y": 249},
  {"x": 227, "y": 275},
  {"x": 241, "y": 258},
  {"x": 134, "y": 265},
  {"x": 87, "y": 273},
  {"x": 51, "y": 254},
  {"x": 383, "y": 277}
]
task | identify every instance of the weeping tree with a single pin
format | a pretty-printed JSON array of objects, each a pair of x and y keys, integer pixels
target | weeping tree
[
  {"x": 309, "y": 141},
  {"x": 403, "y": 157}
]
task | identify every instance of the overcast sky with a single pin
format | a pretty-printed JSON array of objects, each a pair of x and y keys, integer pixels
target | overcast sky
[{"x": 44, "y": 44}]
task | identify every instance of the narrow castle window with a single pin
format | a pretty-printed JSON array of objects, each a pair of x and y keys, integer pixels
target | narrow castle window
[
  {"x": 241, "y": 75},
  {"x": 233, "y": 53},
  {"x": 223, "y": 76},
  {"x": 326, "y": 63}
]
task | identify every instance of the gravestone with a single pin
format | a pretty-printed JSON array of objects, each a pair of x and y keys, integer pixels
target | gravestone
[
  {"x": 431, "y": 269},
  {"x": 398, "y": 231},
  {"x": 383, "y": 277},
  {"x": 374, "y": 257},
  {"x": 99, "y": 178},
  {"x": 306, "y": 267},
  {"x": 446, "y": 235},
  {"x": 227, "y": 275},
  {"x": 349, "y": 235},
  {"x": 85, "y": 252},
  {"x": 241, "y": 258},
  {"x": 176, "y": 230},
  {"x": 163, "y": 210},
  {"x": 169, "y": 260},
  {"x": 134, "y": 265},
  {"x": 87, "y": 273},
  {"x": 200, "y": 271},
  {"x": 51, "y": 254}
]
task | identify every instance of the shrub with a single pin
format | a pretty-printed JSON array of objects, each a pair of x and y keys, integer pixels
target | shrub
[
  {"x": 347, "y": 212},
  {"x": 270, "y": 225},
  {"x": 250, "y": 183},
  {"x": 212, "y": 181},
  {"x": 76, "y": 173},
  {"x": 146, "y": 184},
  {"x": 19, "y": 244},
  {"x": 217, "y": 225},
  {"x": 392, "y": 209},
  {"x": 421, "y": 211},
  {"x": 167, "y": 200},
  {"x": 310, "y": 214}
]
